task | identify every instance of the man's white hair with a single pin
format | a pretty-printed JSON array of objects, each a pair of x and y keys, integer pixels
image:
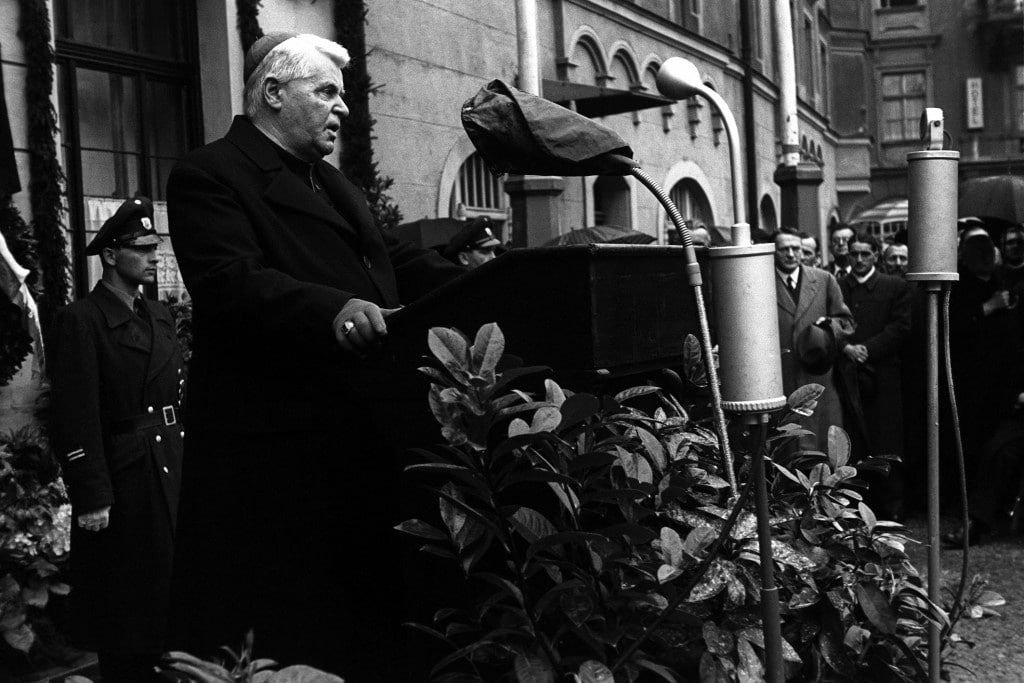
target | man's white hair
[{"x": 292, "y": 59}]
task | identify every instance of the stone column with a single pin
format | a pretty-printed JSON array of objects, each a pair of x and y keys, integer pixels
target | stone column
[
  {"x": 800, "y": 205},
  {"x": 536, "y": 208}
]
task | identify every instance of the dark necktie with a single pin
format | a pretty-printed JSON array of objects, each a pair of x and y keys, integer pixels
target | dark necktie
[{"x": 139, "y": 306}]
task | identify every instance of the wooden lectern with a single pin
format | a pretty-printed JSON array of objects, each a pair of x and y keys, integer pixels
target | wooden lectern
[{"x": 597, "y": 309}]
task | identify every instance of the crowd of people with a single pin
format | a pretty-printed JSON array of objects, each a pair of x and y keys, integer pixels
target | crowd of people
[{"x": 856, "y": 326}]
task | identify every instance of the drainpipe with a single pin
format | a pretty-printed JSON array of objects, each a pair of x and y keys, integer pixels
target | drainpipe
[
  {"x": 535, "y": 200},
  {"x": 798, "y": 181},
  {"x": 786, "y": 58},
  {"x": 526, "y": 47},
  {"x": 749, "y": 127}
]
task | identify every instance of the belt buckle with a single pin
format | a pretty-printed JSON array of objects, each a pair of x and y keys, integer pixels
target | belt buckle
[{"x": 170, "y": 417}]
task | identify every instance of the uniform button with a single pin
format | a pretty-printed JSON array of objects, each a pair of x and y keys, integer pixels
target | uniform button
[
  {"x": 149, "y": 409},
  {"x": 182, "y": 433},
  {"x": 166, "y": 471},
  {"x": 181, "y": 381},
  {"x": 159, "y": 438},
  {"x": 367, "y": 263},
  {"x": 179, "y": 371}
]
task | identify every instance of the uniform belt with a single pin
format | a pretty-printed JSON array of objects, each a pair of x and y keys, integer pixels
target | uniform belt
[{"x": 164, "y": 416}]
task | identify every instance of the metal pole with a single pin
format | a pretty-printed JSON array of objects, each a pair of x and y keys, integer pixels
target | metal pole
[
  {"x": 770, "y": 612},
  {"x": 932, "y": 398},
  {"x": 526, "y": 46}
]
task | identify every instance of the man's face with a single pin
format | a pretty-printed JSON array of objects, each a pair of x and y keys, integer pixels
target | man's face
[
  {"x": 1013, "y": 247},
  {"x": 839, "y": 244},
  {"x": 862, "y": 258},
  {"x": 809, "y": 251},
  {"x": 135, "y": 265},
  {"x": 311, "y": 111},
  {"x": 471, "y": 258},
  {"x": 787, "y": 253},
  {"x": 896, "y": 259}
]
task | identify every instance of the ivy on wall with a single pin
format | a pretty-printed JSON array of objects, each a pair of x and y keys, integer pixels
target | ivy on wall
[
  {"x": 248, "y": 22},
  {"x": 356, "y": 158},
  {"x": 46, "y": 178}
]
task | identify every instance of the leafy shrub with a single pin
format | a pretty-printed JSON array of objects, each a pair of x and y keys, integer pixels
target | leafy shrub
[
  {"x": 601, "y": 542},
  {"x": 35, "y": 526}
]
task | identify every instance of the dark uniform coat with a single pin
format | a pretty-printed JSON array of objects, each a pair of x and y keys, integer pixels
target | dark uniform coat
[
  {"x": 112, "y": 371},
  {"x": 287, "y": 501},
  {"x": 819, "y": 296},
  {"x": 881, "y": 309}
]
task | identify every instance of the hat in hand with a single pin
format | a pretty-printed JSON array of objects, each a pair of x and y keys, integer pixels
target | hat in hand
[
  {"x": 476, "y": 235},
  {"x": 816, "y": 347},
  {"x": 131, "y": 225}
]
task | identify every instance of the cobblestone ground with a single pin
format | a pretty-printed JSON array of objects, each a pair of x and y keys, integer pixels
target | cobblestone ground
[{"x": 998, "y": 652}]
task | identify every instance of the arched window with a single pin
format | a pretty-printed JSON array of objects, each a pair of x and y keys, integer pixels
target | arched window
[
  {"x": 769, "y": 220},
  {"x": 611, "y": 202},
  {"x": 692, "y": 203},
  {"x": 478, "y": 192}
]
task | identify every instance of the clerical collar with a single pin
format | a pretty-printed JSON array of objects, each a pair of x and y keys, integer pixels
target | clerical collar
[
  {"x": 303, "y": 169},
  {"x": 862, "y": 280}
]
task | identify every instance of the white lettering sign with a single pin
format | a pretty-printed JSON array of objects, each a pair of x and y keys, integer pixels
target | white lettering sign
[{"x": 975, "y": 104}]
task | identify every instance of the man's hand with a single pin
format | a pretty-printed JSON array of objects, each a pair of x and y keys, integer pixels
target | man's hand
[
  {"x": 858, "y": 353},
  {"x": 997, "y": 302},
  {"x": 95, "y": 520},
  {"x": 360, "y": 325}
]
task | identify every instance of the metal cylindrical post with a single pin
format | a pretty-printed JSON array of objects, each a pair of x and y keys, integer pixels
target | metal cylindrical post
[
  {"x": 743, "y": 288},
  {"x": 931, "y": 214}
]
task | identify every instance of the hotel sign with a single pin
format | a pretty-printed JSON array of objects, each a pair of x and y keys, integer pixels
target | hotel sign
[{"x": 975, "y": 104}]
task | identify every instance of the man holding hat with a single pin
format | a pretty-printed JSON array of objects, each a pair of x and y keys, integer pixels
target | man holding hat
[
  {"x": 474, "y": 245},
  {"x": 290, "y": 495},
  {"x": 116, "y": 372},
  {"x": 813, "y": 324}
]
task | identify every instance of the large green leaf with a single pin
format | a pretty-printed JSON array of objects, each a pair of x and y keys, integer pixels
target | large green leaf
[
  {"x": 578, "y": 408},
  {"x": 593, "y": 671},
  {"x": 719, "y": 641},
  {"x": 876, "y": 607},
  {"x": 663, "y": 672},
  {"x": 20, "y": 638},
  {"x": 416, "y": 527},
  {"x": 750, "y": 669},
  {"x": 635, "y": 466},
  {"x": 654, "y": 448},
  {"x": 533, "y": 669},
  {"x": 486, "y": 351},
  {"x": 577, "y": 604},
  {"x": 804, "y": 400},
  {"x": 301, "y": 673},
  {"x": 671, "y": 547},
  {"x": 838, "y": 447},
  {"x": 451, "y": 348},
  {"x": 532, "y": 525}
]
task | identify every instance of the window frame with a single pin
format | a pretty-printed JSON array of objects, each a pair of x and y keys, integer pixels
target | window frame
[
  {"x": 882, "y": 99},
  {"x": 142, "y": 69}
]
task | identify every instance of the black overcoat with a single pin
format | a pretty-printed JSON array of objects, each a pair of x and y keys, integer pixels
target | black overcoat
[
  {"x": 109, "y": 366},
  {"x": 881, "y": 309},
  {"x": 287, "y": 503}
]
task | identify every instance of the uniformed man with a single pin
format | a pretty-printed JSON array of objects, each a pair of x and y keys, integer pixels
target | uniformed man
[
  {"x": 474, "y": 245},
  {"x": 117, "y": 385}
]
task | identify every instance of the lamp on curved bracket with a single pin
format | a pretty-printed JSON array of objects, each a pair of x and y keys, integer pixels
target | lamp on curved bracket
[{"x": 679, "y": 79}]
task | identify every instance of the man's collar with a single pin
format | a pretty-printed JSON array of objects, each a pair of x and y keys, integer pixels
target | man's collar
[
  {"x": 795, "y": 274},
  {"x": 122, "y": 296},
  {"x": 862, "y": 280}
]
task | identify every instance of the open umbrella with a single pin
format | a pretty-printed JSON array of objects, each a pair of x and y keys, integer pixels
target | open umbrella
[
  {"x": 603, "y": 234},
  {"x": 998, "y": 196}
]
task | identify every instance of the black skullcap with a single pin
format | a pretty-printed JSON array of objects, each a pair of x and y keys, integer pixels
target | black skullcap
[
  {"x": 259, "y": 50},
  {"x": 131, "y": 224}
]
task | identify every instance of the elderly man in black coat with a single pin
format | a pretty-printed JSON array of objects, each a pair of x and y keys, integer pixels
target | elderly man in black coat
[
  {"x": 290, "y": 493},
  {"x": 881, "y": 307},
  {"x": 116, "y": 372}
]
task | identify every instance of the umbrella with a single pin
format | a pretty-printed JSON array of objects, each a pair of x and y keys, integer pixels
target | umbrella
[
  {"x": 998, "y": 196},
  {"x": 605, "y": 234},
  {"x": 516, "y": 132}
]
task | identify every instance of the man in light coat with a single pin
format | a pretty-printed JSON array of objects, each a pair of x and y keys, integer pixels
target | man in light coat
[{"x": 805, "y": 297}]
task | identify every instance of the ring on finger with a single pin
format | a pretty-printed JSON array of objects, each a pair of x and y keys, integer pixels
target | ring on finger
[{"x": 347, "y": 327}]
